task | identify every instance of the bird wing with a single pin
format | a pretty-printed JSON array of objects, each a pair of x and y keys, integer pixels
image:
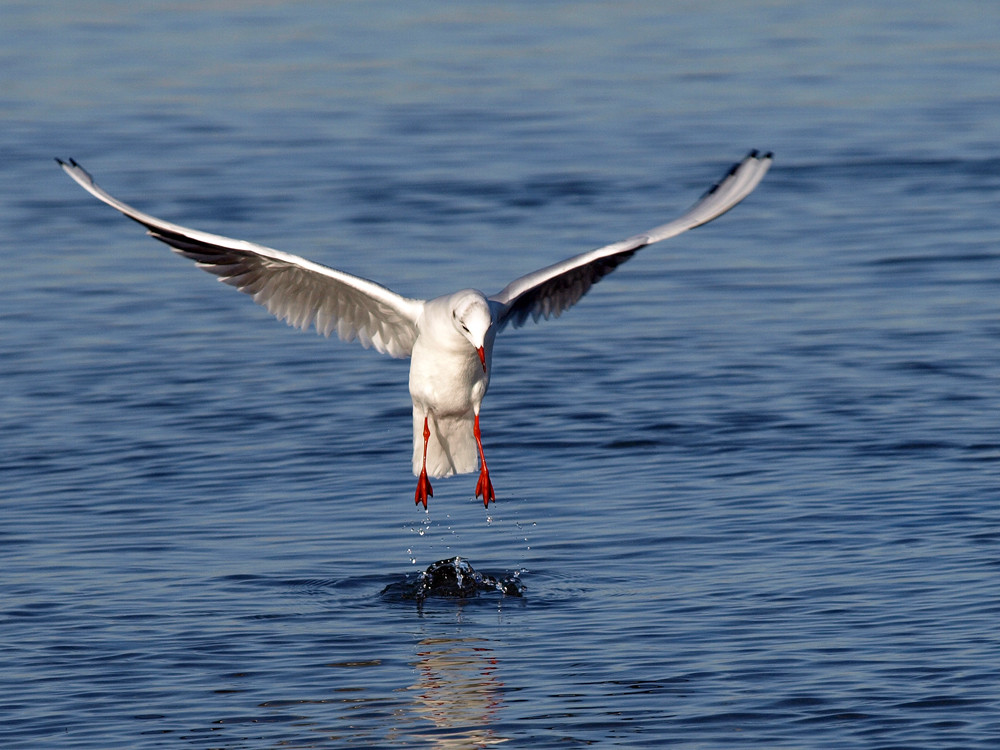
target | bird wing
[
  {"x": 551, "y": 290},
  {"x": 296, "y": 290}
]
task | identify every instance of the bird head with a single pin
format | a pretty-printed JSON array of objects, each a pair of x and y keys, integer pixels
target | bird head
[{"x": 471, "y": 317}]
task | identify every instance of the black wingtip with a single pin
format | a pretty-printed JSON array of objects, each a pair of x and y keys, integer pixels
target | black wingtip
[{"x": 73, "y": 164}]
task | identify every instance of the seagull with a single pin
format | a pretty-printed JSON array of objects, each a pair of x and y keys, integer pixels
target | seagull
[{"x": 449, "y": 339}]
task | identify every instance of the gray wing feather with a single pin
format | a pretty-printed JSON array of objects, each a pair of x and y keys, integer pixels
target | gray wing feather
[
  {"x": 554, "y": 289},
  {"x": 296, "y": 290}
]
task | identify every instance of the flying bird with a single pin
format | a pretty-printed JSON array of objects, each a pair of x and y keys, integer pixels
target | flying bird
[{"x": 449, "y": 339}]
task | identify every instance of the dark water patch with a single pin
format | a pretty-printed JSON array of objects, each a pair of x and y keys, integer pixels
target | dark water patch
[
  {"x": 903, "y": 447},
  {"x": 438, "y": 199},
  {"x": 925, "y": 367},
  {"x": 944, "y": 701},
  {"x": 631, "y": 444},
  {"x": 919, "y": 261}
]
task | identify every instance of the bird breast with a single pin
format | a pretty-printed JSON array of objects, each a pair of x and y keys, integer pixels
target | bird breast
[{"x": 447, "y": 380}]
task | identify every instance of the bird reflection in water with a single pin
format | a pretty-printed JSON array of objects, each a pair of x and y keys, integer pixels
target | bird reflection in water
[{"x": 458, "y": 691}]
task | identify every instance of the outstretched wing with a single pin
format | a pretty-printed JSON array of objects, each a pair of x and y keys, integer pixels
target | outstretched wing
[
  {"x": 558, "y": 287},
  {"x": 298, "y": 291}
]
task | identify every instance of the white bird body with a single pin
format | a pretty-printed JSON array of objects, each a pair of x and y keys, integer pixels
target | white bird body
[
  {"x": 449, "y": 338},
  {"x": 447, "y": 383}
]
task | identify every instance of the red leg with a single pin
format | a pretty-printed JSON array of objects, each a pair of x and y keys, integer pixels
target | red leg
[
  {"x": 424, "y": 490},
  {"x": 484, "y": 487}
]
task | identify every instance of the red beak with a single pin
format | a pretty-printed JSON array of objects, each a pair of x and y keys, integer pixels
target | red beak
[{"x": 482, "y": 357}]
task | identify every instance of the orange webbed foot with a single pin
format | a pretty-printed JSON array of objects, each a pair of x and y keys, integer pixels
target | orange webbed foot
[
  {"x": 424, "y": 490},
  {"x": 484, "y": 488}
]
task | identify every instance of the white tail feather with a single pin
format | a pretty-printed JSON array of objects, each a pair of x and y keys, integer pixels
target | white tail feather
[{"x": 451, "y": 448}]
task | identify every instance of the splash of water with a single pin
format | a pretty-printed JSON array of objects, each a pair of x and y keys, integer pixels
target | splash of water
[{"x": 454, "y": 578}]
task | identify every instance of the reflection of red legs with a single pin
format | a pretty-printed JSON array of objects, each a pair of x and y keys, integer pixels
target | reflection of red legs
[
  {"x": 424, "y": 490},
  {"x": 484, "y": 487}
]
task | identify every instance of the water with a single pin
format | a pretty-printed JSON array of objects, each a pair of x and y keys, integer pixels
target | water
[{"x": 750, "y": 482}]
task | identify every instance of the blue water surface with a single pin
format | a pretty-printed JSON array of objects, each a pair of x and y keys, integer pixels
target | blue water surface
[{"x": 750, "y": 483}]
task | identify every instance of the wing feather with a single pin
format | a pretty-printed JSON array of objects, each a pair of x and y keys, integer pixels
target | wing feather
[
  {"x": 552, "y": 290},
  {"x": 296, "y": 290}
]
